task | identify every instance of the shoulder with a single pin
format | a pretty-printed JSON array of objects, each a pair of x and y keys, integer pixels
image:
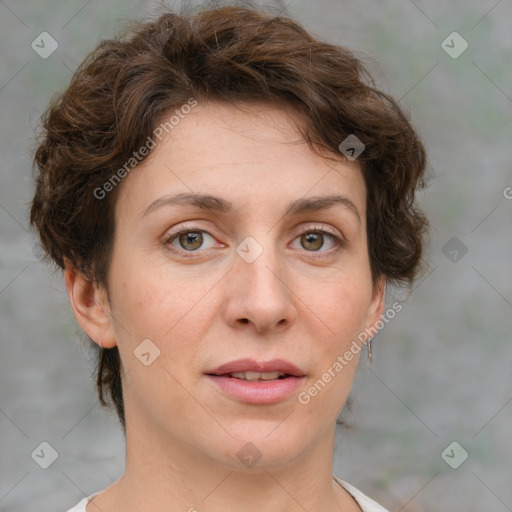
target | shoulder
[
  {"x": 366, "y": 503},
  {"x": 80, "y": 506}
]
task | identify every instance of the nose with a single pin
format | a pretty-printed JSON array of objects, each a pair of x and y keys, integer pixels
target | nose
[{"x": 259, "y": 294}]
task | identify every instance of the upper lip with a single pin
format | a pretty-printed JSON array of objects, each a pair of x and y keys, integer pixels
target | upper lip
[{"x": 250, "y": 365}]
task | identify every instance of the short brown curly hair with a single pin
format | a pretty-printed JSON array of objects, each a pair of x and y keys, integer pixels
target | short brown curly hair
[{"x": 236, "y": 54}]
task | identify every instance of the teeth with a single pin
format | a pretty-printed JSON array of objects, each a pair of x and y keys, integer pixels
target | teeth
[{"x": 256, "y": 375}]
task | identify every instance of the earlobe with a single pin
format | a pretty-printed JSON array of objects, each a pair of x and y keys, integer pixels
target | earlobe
[
  {"x": 377, "y": 305},
  {"x": 90, "y": 307}
]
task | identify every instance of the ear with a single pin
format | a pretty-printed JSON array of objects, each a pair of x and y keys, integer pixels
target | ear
[
  {"x": 376, "y": 309},
  {"x": 90, "y": 306}
]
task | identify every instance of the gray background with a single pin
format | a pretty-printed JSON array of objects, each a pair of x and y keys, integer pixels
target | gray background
[{"x": 441, "y": 370}]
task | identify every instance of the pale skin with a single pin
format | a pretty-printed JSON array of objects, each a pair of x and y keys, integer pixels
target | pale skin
[{"x": 301, "y": 301}]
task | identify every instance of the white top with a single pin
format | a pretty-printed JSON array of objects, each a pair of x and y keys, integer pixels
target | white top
[{"x": 366, "y": 503}]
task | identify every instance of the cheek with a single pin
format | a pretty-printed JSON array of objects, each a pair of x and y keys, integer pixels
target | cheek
[
  {"x": 343, "y": 310},
  {"x": 150, "y": 303},
  {"x": 344, "y": 307}
]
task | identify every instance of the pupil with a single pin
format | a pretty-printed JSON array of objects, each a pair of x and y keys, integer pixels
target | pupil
[
  {"x": 192, "y": 237},
  {"x": 312, "y": 238}
]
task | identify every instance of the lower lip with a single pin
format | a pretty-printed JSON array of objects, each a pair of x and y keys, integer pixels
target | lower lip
[{"x": 257, "y": 392}]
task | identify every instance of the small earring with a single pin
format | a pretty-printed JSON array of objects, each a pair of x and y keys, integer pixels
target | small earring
[
  {"x": 99, "y": 343},
  {"x": 369, "y": 345}
]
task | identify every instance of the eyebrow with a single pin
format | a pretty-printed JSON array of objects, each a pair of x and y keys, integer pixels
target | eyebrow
[{"x": 218, "y": 204}]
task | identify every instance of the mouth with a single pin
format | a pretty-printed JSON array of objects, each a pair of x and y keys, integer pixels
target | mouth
[
  {"x": 249, "y": 369},
  {"x": 254, "y": 382},
  {"x": 254, "y": 376}
]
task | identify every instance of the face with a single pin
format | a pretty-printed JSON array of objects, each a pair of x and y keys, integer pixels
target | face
[{"x": 241, "y": 277}]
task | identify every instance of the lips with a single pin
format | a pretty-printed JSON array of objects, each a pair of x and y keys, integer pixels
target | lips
[
  {"x": 253, "y": 382},
  {"x": 285, "y": 368}
]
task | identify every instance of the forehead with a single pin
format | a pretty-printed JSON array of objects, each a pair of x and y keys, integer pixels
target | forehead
[{"x": 253, "y": 155}]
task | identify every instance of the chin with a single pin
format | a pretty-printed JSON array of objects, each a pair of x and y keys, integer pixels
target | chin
[{"x": 265, "y": 445}]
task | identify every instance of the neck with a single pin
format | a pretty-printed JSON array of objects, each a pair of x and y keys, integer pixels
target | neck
[{"x": 164, "y": 475}]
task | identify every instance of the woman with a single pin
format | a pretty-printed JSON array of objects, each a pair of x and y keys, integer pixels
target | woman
[{"x": 228, "y": 198}]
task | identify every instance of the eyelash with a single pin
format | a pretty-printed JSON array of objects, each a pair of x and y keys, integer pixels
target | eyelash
[{"x": 340, "y": 243}]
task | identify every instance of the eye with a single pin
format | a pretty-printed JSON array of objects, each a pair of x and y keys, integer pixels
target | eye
[
  {"x": 190, "y": 239},
  {"x": 313, "y": 238}
]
